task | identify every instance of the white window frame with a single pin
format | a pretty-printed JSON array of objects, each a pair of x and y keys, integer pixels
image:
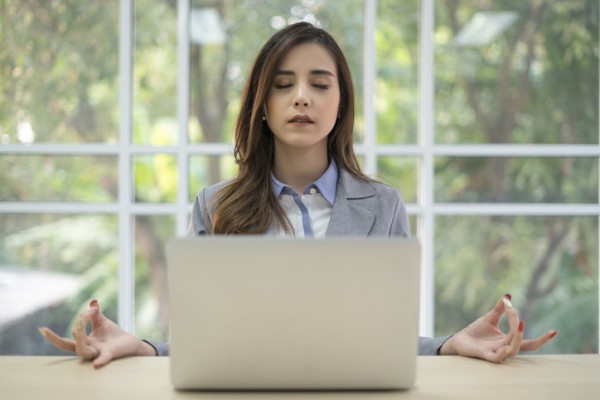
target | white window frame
[{"x": 426, "y": 208}]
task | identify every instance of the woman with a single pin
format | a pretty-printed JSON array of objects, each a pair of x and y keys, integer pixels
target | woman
[{"x": 298, "y": 176}]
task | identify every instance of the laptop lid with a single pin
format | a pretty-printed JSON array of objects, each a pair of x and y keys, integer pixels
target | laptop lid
[{"x": 268, "y": 313}]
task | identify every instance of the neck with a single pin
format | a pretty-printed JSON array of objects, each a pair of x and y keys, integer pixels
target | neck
[{"x": 299, "y": 169}]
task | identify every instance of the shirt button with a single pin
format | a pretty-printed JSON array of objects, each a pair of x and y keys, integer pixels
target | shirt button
[{"x": 312, "y": 190}]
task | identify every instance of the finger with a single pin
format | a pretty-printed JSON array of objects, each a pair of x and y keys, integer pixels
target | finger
[
  {"x": 512, "y": 315},
  {"x": 514, "y": 345},
  {"x": 534, "y": 344},
  {"x": 58, "y": 341},
  {"x": 515, "y": 334},
  {"x": 104, "y": 358},
  {"x": 81, "y": 338},
  {"x": 495, "y": 356},
  {"x": 503, "y": 352}
]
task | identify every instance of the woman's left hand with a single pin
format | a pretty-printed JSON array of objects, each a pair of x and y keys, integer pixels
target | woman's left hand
[{"x": 483, "y": 338}]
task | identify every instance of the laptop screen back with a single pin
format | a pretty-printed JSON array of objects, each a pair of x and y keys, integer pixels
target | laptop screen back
[{"x": 266, "y": 313}]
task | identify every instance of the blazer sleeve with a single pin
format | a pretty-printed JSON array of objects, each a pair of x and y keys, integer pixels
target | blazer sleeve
[
  {"x": 431, "y": 346},
  {"x": 161, "y": 348}
]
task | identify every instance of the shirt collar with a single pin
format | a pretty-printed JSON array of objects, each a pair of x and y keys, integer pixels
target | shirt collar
[{"x": 326, "y": 184}]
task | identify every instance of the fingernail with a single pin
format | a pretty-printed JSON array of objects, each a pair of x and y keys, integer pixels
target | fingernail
[
  {"x": 521, "y": 325},
  {"x": 507, "y": 302},
  {"x": 554, "y": 333},
  {"x": 508, "y": 296},
  {"x": 42, "y": 332},
  {"x": 94, "y": 303}
]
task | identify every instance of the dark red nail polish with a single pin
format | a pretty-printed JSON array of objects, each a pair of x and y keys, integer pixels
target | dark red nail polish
[
  {"x": 554, "y": 333},
  {"x": 521, "y": 325},
  {"x": 508, "y": 296}
]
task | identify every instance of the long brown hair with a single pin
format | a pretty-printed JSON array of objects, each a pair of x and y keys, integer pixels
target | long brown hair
[{"x": 247, "y": 205}]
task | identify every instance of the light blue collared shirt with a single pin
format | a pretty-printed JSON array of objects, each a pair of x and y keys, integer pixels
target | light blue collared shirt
[{"x": 309, "y": 213}]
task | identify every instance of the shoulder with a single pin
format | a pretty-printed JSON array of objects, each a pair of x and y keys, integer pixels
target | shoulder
[
  {"x": 375, "y": 207},
  {"x": 356, "y": 188},
  {"x": 386, "y": 190},
  {"x": 208, "y": 193},
  {"x": 204, "y": 202}
]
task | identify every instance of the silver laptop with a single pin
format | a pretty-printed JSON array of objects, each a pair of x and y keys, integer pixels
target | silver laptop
[{"x": 260, "y": 313}]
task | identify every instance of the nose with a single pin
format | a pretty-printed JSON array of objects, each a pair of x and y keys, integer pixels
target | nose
[{"x": 302, "y": 98}]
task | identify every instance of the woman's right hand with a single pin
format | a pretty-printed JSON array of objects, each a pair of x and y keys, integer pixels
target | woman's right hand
[{"x": 106, "y": 342}]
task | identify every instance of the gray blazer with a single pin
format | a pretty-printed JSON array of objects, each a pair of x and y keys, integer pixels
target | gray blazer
[{"x": 360, "y": 209}]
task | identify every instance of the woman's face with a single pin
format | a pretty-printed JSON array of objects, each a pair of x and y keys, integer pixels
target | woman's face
[{"x": 302, "y": 104}]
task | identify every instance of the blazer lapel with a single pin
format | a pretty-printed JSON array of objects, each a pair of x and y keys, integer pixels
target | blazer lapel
[{"x": 351, "y": 215}]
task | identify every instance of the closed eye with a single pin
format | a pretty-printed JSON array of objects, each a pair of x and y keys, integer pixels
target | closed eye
[{"x": 289, "y": 85}]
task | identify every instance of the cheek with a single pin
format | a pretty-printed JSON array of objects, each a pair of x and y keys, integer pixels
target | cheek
[
  {"x": 332, "y": 107},
  {"x": 329, "y": 118},
  {"x": 272, "y": 106}
]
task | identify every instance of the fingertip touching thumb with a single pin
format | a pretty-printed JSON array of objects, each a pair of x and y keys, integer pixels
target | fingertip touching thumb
[{"x": 95, "y": 305}]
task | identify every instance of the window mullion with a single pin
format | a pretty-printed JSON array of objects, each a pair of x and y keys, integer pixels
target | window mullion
[
  {"x": 183, "y": 113},
  {"x": 369, "y": 76},
  {"x": 126, "y": 265},
  {"x": 426, "y": 197}
]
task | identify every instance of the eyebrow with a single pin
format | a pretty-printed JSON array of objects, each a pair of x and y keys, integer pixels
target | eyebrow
[{"x": 312, "y": 72}]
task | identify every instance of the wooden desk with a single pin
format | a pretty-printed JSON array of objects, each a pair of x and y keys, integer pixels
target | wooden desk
[{"x": 570, "y": 377}]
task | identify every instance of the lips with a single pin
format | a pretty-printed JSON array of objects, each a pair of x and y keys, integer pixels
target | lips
[{"x": 301, "y": 119}]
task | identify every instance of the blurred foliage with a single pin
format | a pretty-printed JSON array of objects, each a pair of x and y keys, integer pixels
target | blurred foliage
[
  {"x": 526, "y": 180},
  {"x": 155, "y": 73},
  {"x": 58, "y": 178},
  {"x": 155, "y": 178},
  {"x": 553, "y": 281},
  {"x": 59, "y": 69},
  {"x": 70, "y": 244},
  {"x": 397, "y": 56},
  {"x": 535, "y": 82}
]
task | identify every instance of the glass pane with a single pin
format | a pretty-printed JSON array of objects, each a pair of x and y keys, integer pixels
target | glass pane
[
  {"x": 208, "y": 170},
  {"x": 226, "y": 36},
  {"x": 548, "y": 264},
  {"x": 59, "y": 71},
  {"x": 155, "y": 178},
  {"x": 151, "y": 296},
  {"x": 400, "y": 172},
  {"x": 502, "y": 179},
  {"x": 396, "y": 41},
  {"x": 58, "y": 178},
  {"x": 51, "y": 266},
  {"x": 516, "y": 72},
  {"x": 155, "y": 73}
]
